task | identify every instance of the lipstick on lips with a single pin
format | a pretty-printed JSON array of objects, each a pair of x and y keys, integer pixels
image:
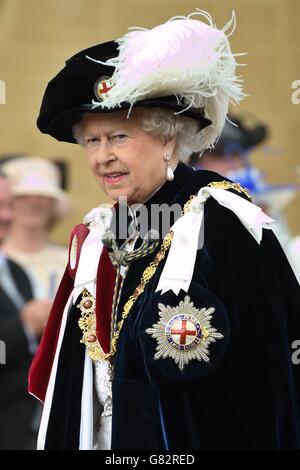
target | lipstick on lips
[{"x": 113, "y": 178}]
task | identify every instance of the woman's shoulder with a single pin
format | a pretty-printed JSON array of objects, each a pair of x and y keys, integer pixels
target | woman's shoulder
[
  {"x": 229, "y": 214},
  {"x": 204, "y": 177},
  {"x": 216, "y": 209},
  {"x": 199, "y": 179}
]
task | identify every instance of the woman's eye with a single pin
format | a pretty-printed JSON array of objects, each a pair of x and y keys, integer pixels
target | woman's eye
[
  {"x": 119, "y": 137},
  {"x": 91, "y": 142}
]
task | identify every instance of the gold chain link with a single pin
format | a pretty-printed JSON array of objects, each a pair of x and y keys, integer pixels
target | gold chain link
[
  {"x": 228, "y": 185},
  {"x": 94, "y": 348}
]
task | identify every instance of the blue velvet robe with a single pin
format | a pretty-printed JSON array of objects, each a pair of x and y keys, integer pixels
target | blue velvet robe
[{"x": 247, "y": 395}]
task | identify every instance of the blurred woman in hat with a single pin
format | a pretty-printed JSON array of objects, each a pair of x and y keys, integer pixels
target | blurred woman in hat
[
  {"x": 184, "y": 329},
  {"x": 39, "y": 203}
]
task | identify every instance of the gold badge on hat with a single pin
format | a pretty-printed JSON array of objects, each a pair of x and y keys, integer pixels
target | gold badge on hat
[
  {"x": 102, "y": 86},
  {"x": 184, "y": 333}
]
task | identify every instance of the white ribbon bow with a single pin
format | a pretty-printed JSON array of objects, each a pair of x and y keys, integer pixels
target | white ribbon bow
[
  {"x": 99, "y": 220},
  {"x": 179, "y": 267}
]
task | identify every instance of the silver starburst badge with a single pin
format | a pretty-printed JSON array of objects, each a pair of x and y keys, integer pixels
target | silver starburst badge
[{"x": 184, "y": 332}]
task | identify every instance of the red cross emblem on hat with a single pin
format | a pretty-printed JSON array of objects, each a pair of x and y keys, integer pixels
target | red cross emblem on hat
[{"x": 102, "y": 86}]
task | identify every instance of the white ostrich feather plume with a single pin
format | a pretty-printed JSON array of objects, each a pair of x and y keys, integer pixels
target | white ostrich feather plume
[{"x": 183, "y": 57}]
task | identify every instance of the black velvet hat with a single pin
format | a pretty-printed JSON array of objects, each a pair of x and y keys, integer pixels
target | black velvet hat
[
  {"x": 72, "y": 92},
  {"x": 184, "y": 65}
]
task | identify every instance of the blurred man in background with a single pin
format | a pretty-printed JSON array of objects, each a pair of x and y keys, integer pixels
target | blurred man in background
[
  {"x": 21, "y": 321},
  {"x": 231, "y": 151},
  {"x": 231, "y": 158}
]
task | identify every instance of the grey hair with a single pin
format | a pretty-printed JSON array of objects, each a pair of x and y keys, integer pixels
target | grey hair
[
  {"x": 160, "y": 121},
  {"x": 77, "y": 134},
  {"x": 163, "y": 122}
]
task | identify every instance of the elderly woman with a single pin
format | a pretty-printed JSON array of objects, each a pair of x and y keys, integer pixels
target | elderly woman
[{"x": 185, "y": 330}]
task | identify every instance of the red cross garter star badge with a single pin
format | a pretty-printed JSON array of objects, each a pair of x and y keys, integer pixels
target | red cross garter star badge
[
  {"x": 102, "y": 86},
  {"x": 184, "y": 333}
]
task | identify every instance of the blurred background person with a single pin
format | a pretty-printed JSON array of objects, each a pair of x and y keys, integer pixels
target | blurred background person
[
  {"x": 231, "y": 157},
  {"x": 232, "y": 150},
  {"x": 38, "y": 204},
  {"x": 21, "y": 320},
  {"x": 5, "y": 207}
]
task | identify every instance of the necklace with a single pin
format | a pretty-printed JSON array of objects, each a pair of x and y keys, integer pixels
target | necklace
[{"x": 87, "y": 322}]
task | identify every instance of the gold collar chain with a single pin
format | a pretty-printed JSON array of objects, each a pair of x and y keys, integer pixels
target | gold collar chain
[
  {"x": 87, "y": 322},
  {"x": 228, "y": 185}
]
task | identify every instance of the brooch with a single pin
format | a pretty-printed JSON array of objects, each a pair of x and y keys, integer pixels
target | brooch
[
  {"x": 184, "y": 333},
  {"x": 102, "y": 86}
]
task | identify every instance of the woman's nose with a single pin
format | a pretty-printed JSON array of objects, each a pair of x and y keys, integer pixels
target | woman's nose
[{"x": 104, "y": 153}]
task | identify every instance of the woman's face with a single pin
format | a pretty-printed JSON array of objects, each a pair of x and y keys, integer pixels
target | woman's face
[
  {"x": 33, "y": 211},
  {"x": 125, "y": 160}
]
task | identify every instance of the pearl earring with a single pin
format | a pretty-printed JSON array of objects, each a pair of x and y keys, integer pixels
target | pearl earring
[{"x": 170, "y": 174}]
